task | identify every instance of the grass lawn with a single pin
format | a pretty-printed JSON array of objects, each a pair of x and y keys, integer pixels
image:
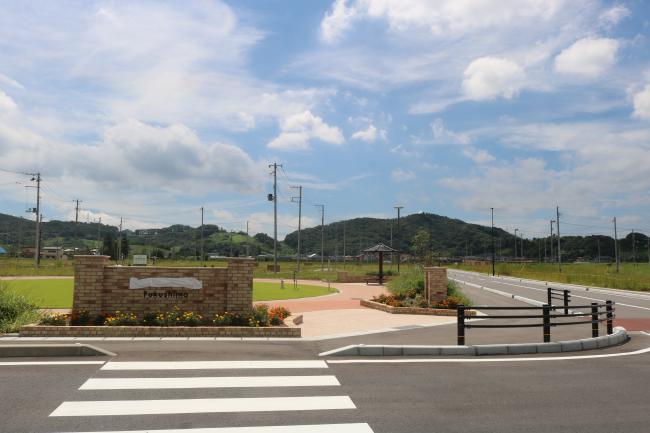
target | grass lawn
[
  {"x": 58, "y": 293},
  {"x": 631, "y": 276}
]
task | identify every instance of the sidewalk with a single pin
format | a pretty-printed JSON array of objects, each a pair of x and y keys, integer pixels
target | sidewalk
[{"x": 347, "y": 298}]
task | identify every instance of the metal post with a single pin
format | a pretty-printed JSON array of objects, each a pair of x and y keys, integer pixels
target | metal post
[
  {"x": 559, "y": 247},
  {"x": 616, "y": 251},
  {"x": 546, "y": 312},
  {"x": 566, "y": 302},
  {"x": 548, "y": 295},
  {"x": 399, "y": 254},
  {"x": 610, "y": 315},
  {"x": 594, "y": 319},
  {"x": 493, "y": 247},
  {"x": 460, "y": 314}
]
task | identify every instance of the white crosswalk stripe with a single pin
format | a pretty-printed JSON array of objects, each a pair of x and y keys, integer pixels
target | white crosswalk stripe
[
  {"x": 315, "y": 428},
  {"x": 209, "y": 382},
  {"x": 212, "y": 365},
  {"x": 89, "y": 405}
]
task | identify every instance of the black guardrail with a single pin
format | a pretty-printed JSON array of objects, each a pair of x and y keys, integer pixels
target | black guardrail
[
  {"x": 595, "y": 315},
  {"x": 563, "y": 295}
]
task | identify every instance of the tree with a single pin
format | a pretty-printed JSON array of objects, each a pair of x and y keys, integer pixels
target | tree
[
  {"x": 422, "y": 245},
  {"x": 109, "y": 247},
  {"x": 125, "y": 247}
]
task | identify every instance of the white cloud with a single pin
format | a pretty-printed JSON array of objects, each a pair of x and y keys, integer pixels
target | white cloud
[
  {"x": 370, "y": 134},
  {"x": 297, "y": 130},
  {"x": 588, "y": 57},
  {"x": 130, "y": 69},
  {"x": 614, "y": 15},
  {"x": 492, "y": 77},
  {"x": 7, "y": 105},
  {"x": 441, "y": 17},
  {"x": 595, "y": 177},
  {"x": 642, "y": 103},
  {"x": 402, "y": 175},
  {"x": 337, "y": 21},
  {"x": 479, "y": 156},
  {"x": 442, "y": 135}
]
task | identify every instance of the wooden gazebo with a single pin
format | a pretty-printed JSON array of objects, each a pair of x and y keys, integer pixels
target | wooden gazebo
[{"x": 380, "y": 249}]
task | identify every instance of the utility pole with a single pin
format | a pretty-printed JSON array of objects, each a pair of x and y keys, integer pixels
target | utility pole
[
  {"x": 76, "y": 224},
  {"x": 322, "y": 236},
  {"x": 516, "y": 230},
  {"x": 521, "y": 241},
  {"x": 551, "y": 258},
  {"x": 399, "y": 253},
  {"x": 119, "y": 242},
  {"x": 493, "y": 246},
  {"x": 247, "y": 245},
  {"x": 616, "y": 246},
  {"x": 633, "y": 248},
  {"x": 99, "y": 226},
  {"x": 201, "y": 249},
  {"x": 598, "y": 245},
  {"x": 274, "y": 197},
  {"x": 299, "y": 201},
  {"x": 559, "y": 248},
  {"x": 345, "y": 257},
  {"x": 37, "y": 256},
  {"x": 648, "y": 239}
]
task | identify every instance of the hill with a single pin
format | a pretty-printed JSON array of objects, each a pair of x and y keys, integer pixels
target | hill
[{"x": 448, "y": 238}]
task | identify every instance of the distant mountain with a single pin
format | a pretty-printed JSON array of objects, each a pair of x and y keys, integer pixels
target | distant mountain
[
  {"x": 176, "y": 241},
  {"x": 449, "y": 238},
  {"x": 455, "y": 238}
]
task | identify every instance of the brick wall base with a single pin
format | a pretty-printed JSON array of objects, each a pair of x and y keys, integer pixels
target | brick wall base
[
  {"x": 411, "y": 310},
  {"x": 158, "y": 331}
]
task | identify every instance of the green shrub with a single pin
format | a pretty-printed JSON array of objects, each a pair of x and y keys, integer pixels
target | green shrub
[
  {"x": 16, "y": 310},
  {"x": 231, "y": 319},
  {"x": 54, "y": 320},
  {"x": 458, "y": 297},
  {"x": 80, "y": 318},
  {"x": 189, "y": 318},
  {"x": 407, "y": 282},
  {"x": 260, "y": 315},
  {"x": 121, "y": 319}
]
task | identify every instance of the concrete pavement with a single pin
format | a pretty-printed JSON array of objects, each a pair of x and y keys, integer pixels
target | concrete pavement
[{"x": 235, "y": 385}]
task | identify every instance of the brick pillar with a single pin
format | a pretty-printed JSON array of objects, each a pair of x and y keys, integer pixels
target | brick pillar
[
  {"x": 88, "y": 283},
  {"x": 435, "y": 284},
  {"x": 239, "y": 293}
]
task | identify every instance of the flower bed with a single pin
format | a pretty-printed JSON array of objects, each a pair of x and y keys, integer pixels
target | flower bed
[
  {"x": 260, "y": 321},
  {"x": 412, "y": 310},
  {"x": 159, "y": 331}
]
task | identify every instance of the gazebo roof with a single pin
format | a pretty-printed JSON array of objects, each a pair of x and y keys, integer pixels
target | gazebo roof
[{"x": 380, "y": 248}]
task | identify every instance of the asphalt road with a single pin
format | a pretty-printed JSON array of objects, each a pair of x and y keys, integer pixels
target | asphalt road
[
  {"x": 585, "y": 394},
  {"x": 632, "y": 308}
]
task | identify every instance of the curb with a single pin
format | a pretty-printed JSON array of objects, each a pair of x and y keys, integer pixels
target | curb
[
  {"x": 618, "y": 337},
  {"x": 38, "y": 350}
]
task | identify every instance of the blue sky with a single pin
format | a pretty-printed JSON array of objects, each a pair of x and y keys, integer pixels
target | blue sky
[{"x": 150, "y": 110}]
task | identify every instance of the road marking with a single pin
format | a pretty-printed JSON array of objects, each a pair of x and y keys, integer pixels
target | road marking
[
  {"x": 534, "y": 302},
  {"x": 201, "y": 405},
  {"x": 576, "y": 296},
  {"x": 51, "y": 363},
  {"x": 313, "y": 428},
  {"x": 452, "y": 360},
  {"x": 613, "y": 292},
  {"x": 211, "y": 365},
  {"x": 209, "y": 382}
]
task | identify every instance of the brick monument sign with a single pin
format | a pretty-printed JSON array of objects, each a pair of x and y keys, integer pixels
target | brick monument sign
[
  {"x": 435, "y": 284},
  {"x": 101, "y": 288}
]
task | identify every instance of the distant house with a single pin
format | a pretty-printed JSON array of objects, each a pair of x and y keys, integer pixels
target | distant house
[
  {"x": 3, "y": 252},
  {"x": 46, "y": 253}
]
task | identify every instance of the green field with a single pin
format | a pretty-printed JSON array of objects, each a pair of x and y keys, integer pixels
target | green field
[
  {"x": 58, "y": 293},
  {"x": 630, "y": 277},
  {"x": 309, "y": 270}
]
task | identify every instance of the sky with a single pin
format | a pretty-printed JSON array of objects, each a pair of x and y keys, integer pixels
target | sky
[{"x": 149, "y": 110}]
